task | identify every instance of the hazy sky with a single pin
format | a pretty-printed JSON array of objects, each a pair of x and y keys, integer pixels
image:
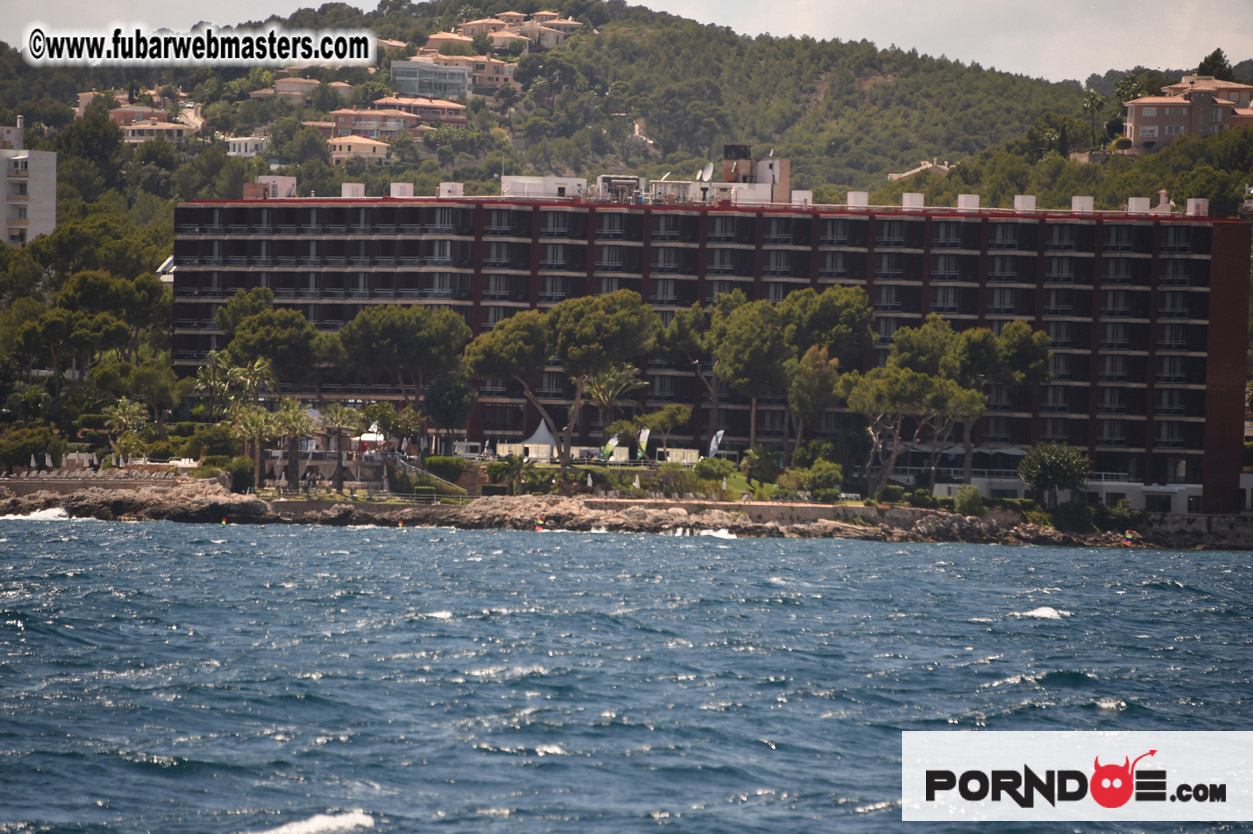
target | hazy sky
[{"x": 1055, "y": 39}]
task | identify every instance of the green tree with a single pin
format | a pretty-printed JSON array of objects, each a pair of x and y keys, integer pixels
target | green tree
[
  {"x": 583, "y": 335},
  {"x": 1093, "y": 103},
  {"x": 293, "y": 422},
  {"x": 340, "y": 419},
  {"x": 811, "y": 383},
  {"x": 450, "y": 401},
  {"x": 242, "y": 305},
  {"x": 283, "y": 337},
  {"x": 1050, "y": 467},
  {"x": 607, "y": 390},
  {"x": 123, "y": 417},
  {"x": 667, "y": 420},
  {"x": 751, "y": 354},
  {"x": 414, "y": 343},
  {"x": 1217, "y": 65}
]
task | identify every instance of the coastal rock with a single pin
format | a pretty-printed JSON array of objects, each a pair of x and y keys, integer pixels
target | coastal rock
[{"x": 195, "y": 501}]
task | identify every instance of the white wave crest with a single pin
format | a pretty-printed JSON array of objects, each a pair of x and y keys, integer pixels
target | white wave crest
[
  {"x": 53, "y": 514},
  {"x": 324, "y": 824},
  {"x": 1045, "y": 612},
  {"x": 723, "y": 533}
]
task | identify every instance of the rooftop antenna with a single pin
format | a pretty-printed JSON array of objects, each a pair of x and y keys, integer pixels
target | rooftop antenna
[{"x": 707, "y": 172}]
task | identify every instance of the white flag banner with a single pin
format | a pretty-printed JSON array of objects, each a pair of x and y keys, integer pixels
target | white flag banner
[{"x": 713, "y": 444}]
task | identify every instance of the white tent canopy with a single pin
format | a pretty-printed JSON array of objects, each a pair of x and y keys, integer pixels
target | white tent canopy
[{"x": 541, "y": 437}]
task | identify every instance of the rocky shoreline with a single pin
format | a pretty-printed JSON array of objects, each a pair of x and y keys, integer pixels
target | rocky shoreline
[{"x": 210, "y": 503}]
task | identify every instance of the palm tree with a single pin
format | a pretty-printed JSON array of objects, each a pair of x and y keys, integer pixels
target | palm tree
[
  {"x": 293, "y": 422},
  {"x": 254, "y": 377},
  {"x": 339, "y": 418},
  {"x": 1092, "y": 104},
  {"x": 512, "y": 469},
  {"x": 607, "y": 390},
  {"x": 122, "y": 417},
  {"x": 254, "y": 425},
  {"x": 212, "y": 379}
]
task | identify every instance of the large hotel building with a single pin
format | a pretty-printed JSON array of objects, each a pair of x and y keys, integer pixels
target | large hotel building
[{"x": 1147, "y": 308}]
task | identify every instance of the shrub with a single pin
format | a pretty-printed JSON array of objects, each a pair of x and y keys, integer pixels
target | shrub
[
  {"x": 946, "y": 504},
  {"x": 968, "y": 501},
  {"x": 165, "y": 450},
  {"x": 1073, "y": 517},
  {"x": 448, "y": 468},
  {"x": 824, "y": 476},
  {"x": 92, "y": 421},
  {"x": 1040, "y": 518},
  {"x": 1119, "y": 516},
  {"x": 760, "y": 463},
  {"x": 212, "y": 441},
  {"x": 184, "y": 429},
  {"x": 922, "y": 498},
  {"x": 1019, "y": 505},
  {"x": 892, "y": 493},
  {"x": 1122, "y": 143},
  {"x": 713, "y": 469},
  {"x": 216, "y": 461},
  {"x": 242, "y": 474}
]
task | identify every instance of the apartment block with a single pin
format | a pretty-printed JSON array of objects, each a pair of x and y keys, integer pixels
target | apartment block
[
  {"x": 30, "y": 188},
  {"x": 1147, "y": 311},
  {"x": 425, "y": 77}
]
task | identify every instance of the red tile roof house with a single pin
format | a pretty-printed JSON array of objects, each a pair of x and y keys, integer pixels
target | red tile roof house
[{"x": 1198, "y": 105}]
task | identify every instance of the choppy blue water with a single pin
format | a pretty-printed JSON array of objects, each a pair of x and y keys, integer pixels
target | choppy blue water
[{"x": 170, "y": 678}]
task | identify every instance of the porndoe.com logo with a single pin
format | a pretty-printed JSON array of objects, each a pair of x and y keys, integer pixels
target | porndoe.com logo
[{"x": 1043, "y": 776}]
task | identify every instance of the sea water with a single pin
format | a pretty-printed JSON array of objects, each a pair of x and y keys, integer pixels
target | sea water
[{"x": 180, "y": 678}]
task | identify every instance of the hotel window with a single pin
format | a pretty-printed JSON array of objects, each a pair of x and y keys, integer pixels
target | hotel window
[
  {"x": 1172, "y": 369},
  {"x": 1059, "y": 333},
  {"x": 1148, "y": 111},
  {"x": 1174, "y": 130},
  {"x": 832, "y": 264},
  {"x": 1113, "y": 367},
  {"x": 997, "y": 430},
  {"x": 495, "y": 315},
  {"x": 723, "y": 228},
  {"x": 1002, "y": 301},
  {"x": 775, "y": 291},
  {"x": 891, "y": 233},
  {"x": 608, "y": 285},
  {"x": 722, "y": 261},
  {"x": 948, "y": 233},
  {"x": 661, "y": 387},
  {"x": 610, "y": 257},
  {"x": 1178, "y": 239},
  {"x": 945, "y": 300},
  {"x": 1004, "y": 236},
  {"x": 498, "y": 222},
  {"x": 1055, "y": 399},
  {"x": 552, "y": 385},
  {"x": 1057, "y": 303},
  {"x": 441, "y": 251},
  {"x": 1114, "y": 335},
  {"x": 497, "y": 286},
  {"x": 1113, "y": 400},
  {"x": 889, "y": 298},
  {"x": 554, "y": 256},
  {"x": 1055, "y": 430},
  {"x": 1115, "y": 303},
  {"x": 835, "y": 231},
  {"x": 554, "y": 288},
  {"x": 889, "y": 265},
  {"x": 1118, "y": 237},
  {"x": 1117, "y": 271},
  {"x": 1111, "y": 433},
  {"x": 945, "y": 268},
  {"x": 998, "y": 397},
  {"x": 611, "y": 224},
  {"x": 1061, "y": 236},
  {"x": 1004, "y": 268},
  {"x": 663, "y": 291},
  {"x": 1173, "y": 336},
  {"x": 779, "y": 262},
  {"x": 886, "y": 328},
  {"x": 1059, "y": 366},
  {"x": 667, "y": 227},
  {"x": 780, "y": 230},
  {"x": 1170, "y": 400},
  {"x": 1169, "y": 434},
  {"x": 497, "y": 254},
  {"x": 1174, "y": 305},
  {"x": 443, "y": 218},
  {"x": 717, "y": 288},
  {"x": 665, "y": 259},
  {"x": 1216, "y": 114},
  {"x": 1148, "y": 131},
  {"x": 555, "y": 224},
  {"x": 1060, "y": 270}
]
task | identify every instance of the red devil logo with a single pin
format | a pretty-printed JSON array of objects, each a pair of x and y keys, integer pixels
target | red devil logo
[{"x": 1111, "y": 785}]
